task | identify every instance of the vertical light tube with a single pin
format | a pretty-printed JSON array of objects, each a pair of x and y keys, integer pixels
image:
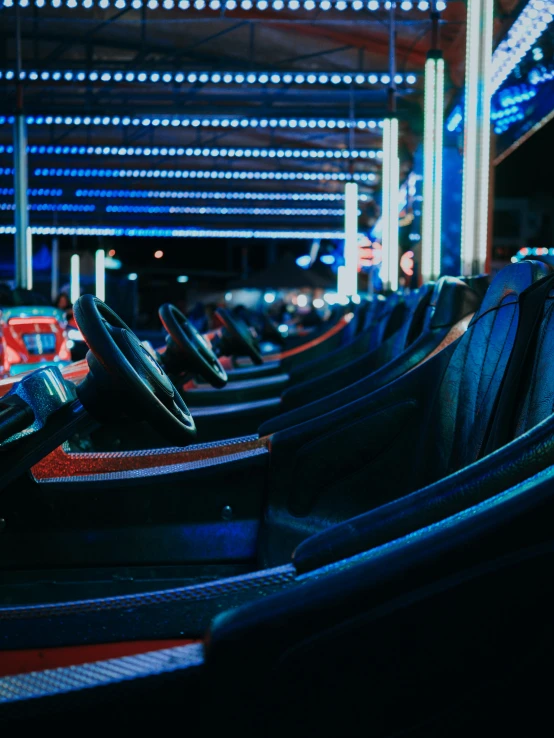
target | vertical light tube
[
  {"x": 342, "y": 284},
  {"x": 351, "y": 238},
  {"x": 476, "y": 172},
  {"x": 385, "y": 204},
  {"x": 75, "y": 286},
  {"x": 29, "y": 258},
  {"x": 427, "y": 240},
  {"x": 21, "y": 201},
  {"x": 437, "y": 192},
  {"x": 23, "y": 241},
  {"x": 484, "y": 164},
  {"x": 432, "y": 168},
  {"x": 100, "y": 274},
  {"x": 389, "y": 215},
  {"x": 394, "y": 184},
  {"x": 55, "y": 275}
]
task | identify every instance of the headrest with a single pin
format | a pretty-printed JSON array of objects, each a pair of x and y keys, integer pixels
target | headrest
[
  {"x": 452, "y": 300},
  {"x": 478, "y": 282},
  {"x": 510, "y": 282}
]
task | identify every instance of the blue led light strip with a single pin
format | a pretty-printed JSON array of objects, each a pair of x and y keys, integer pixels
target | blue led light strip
[
  {"x": 529, "y": 26},
  {"x": 52, "y": 207},
  {"x": 172, "y": 232},
  {"x": 201, "y": 174},
  {"x": 238, "y": 153},
  {"x": 32, "y": 192},
  {"x": 197, "y": 122},
  {"x": 541, "y": 74},
  {"x": 191, "y": 195},
  {"x": 216, "y": 78},
  {"x": 180, "y": 210},
  {"x": 215, "y": 5}
]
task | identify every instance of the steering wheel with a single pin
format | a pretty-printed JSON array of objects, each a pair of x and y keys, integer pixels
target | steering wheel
[
  {"x": 129, "y": 377},
  {"x": 271, "y": 331},
  {"x": 241, "y": 335},
  {"x": 188, "y": 349}
]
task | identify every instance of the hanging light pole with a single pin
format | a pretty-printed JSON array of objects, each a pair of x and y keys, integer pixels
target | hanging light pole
[
  {"x": 347, "y": 276},
  {"x": 476, "y": 171},
  {"x": 390, "y": 174},
  {"x": 100, "y": 274},
  {"x": 431, "y": 247},
  {"x": 23, "y": 238},
  {"x": 75, "y": 278},
  {"x": 351, "y": 239}
]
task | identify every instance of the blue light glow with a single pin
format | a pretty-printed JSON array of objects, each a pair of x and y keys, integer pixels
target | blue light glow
[
  {"x": 528, "y": 27},
  {"x": 204, "y": 210},
  {"x": 173, "y": 232},
  {"x": 304, "y": 261},
  {"x": 78, "y": 173},
  {"x": 217, "y": 5},
  {"x": 52, "y": 208},
  {"x": 34, "y": 192},
  {"x": 197, "y": 152},
  {"x": 192, "y": 195},
  {"x": 204, "y": 122},
  {"x": 229, "y": 78},
  {"x": 455, "y": 119},
  {"x": 541, "y": 74}
]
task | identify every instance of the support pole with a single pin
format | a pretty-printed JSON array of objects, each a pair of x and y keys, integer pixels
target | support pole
[
  {"x": 23, "y": 239},
  {"x": 476, "y": 172}
]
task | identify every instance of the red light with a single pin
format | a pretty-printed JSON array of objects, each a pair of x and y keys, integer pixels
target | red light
[
  {"x": 407, "y": 263},
  {"x": 31, "y": 321},
  {"x": 158, "y": 254},
  {"x": 111, "y": 252}
]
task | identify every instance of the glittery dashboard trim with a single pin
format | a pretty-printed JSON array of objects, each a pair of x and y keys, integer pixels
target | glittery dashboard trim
[
  {"x": 62, "y": 465},
  {"x": 99, "y": 673},
  {"x": 258, "y": 581}
]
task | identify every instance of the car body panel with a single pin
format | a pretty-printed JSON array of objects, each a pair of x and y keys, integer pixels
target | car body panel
[{"x": 32, "y": 337}]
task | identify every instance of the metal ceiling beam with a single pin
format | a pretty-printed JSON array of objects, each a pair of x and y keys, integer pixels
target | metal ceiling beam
[
  {"x": 72, "y": 41},
  {"x": 215, "y": 59},
  {"x": 188, "y": 49}
]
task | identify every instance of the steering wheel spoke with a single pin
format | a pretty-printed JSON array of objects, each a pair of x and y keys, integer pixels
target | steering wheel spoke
[
  {"x": 126, "y": 375},
  {"x": 187, "y": 350},
  {"x": 241, "y": 336}
]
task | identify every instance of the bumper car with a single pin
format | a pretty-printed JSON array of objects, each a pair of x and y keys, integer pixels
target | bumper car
[
  {"x": 401, "y": 334},
  {"x": 31, "y": 335},
  {"x": 358, "y": 543}
]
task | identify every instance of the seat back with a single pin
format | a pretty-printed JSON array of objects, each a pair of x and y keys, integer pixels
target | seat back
[
  {"x": 416, "y": 430},
  {"x": 538, "y": 400},
  {"x": 376, "y": 305},
  {"x": 387, "y": 315},
  {"x": 468, "y": 392},
  {"x": 413, "y": 321}
]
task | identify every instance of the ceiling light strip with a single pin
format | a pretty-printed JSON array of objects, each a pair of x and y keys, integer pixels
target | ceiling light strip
[
  {"x": 216, "y": 78},
  {"x": 173, "y": 232}
]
